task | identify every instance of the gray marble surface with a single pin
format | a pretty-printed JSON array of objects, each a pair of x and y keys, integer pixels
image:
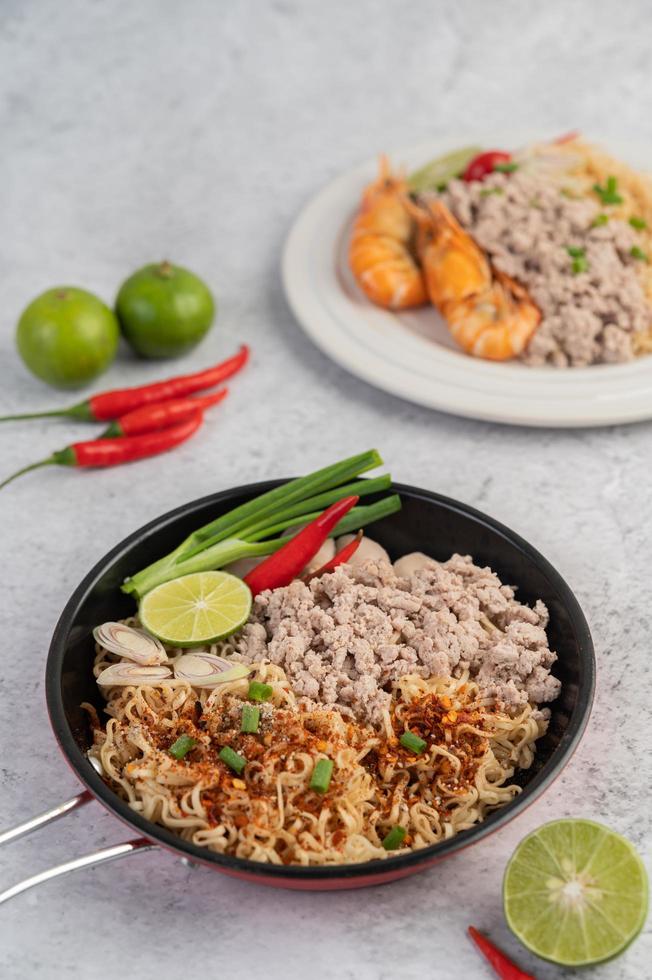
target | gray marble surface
[{"x": 133, "y": 131}]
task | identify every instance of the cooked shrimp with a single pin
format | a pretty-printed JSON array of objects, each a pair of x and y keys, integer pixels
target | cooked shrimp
[
  {"x": 488, "y": 313},
  {"x": 381, "y": 251}
]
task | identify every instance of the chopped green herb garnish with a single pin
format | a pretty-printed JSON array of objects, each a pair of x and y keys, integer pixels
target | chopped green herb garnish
[
  {"x": 579, "y": 265},
  {"x": 259, "y": 692},
  {"x": 250, "y": 718},
  {"x": 600, "y": 219},
  {"x": 233, "y": 759},
  {"x": 321, "y": 775},
  {"x": 412, "y": 742},
  {"x": 506, "y": 168},
  {"x": 565, "y": 192},
  {"x": 182, "y": 746},
  {"x": 608, "y": 194},
  {"x": 638, "y": 253},
  {"x": 638, "y": 223},
  {"x": 578, "y": 255},
  {"x": 486, "y": 191},
  {"x": 394, "y": 838}
]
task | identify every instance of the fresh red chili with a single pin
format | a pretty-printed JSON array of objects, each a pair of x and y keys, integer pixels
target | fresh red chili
[
  {"x": 504, "y": 967},
  {"x": 485, "y": 164},
  {"x": 339, "y": 558},
  {"x": 287, "y": 563},
  {"x": 566, "y": 137},
  {"x": 112, "y": 452},
  {"x": 112, "y": 404},
  {"x": 160, "y": 416}
]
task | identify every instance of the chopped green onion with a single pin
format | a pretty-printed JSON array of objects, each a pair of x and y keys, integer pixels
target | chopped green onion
[
  {"x": 578, "y": 255},
  {"x": 600, "y": 219},
  {"x": 233, "y": 759},
  {"x": 608, "y": 194},
  {"x": 250, "y": 718},
  {"x": 638, "y": 223},
  {"x": 321, "y": 775},
  {"x": 506, "y": 168},
  {"x": 579, "y": 265},
  {"x": 259, "y": 692},
  {"x": 394, "y": 838},
  {"x": 638, "y": 253},
  {"x": 486, "y": 191},
  {"x": 412, "y": 742},
  {"x": 182, "y": 746}
]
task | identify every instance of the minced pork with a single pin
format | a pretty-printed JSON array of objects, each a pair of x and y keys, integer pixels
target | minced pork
[{"x": 344, "y": 637}]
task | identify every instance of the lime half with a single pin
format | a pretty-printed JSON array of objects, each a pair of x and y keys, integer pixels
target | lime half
[
  {"x": 196, "y": 609},
  {"x": 575, "y": 892}
]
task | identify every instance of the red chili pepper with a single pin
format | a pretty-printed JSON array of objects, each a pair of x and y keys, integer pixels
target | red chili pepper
[
  {"x": 149, "y": 418},
  {"x": 112, "y": 452},
  {"x": 113, "y": 404},
  {"x": 504, "y": 967},
  {"x": 342, "y": 556},
  {"x": 286, "y": 564},
  {"x": 566, "y": 137},
  {"x": 485, "y": 164}
]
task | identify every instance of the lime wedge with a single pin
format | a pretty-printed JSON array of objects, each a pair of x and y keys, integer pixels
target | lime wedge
[
  {"x": 575, "y": 892},
  {"x": 196, "y": 609},
  {"x": 438, "y": 172}
]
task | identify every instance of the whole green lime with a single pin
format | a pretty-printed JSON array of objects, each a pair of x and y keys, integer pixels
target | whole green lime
[
  {"x": 67, "y": 336},
  {"x": 164, "y": 310}
]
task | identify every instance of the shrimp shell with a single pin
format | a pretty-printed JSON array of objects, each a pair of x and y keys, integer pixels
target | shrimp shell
[
  {"x": 381, "y": 250},
  {"x": 488, "y": 313}
]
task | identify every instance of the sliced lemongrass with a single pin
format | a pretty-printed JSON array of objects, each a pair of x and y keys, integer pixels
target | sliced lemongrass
[
  {"x": 207, "y": 670},
  {"x": 126, "y": 674},
  {"x": 133, "y": 644}
]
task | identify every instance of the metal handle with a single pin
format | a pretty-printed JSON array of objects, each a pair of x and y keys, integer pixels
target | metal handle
[
  {"x": 87, "y": 861},
  {"x": 44, "y": 818}
]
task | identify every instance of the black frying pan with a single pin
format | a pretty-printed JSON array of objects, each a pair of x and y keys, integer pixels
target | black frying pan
[{"x": 428, "y": 522}]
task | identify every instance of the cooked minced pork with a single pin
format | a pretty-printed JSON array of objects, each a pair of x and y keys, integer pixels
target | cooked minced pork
[
  {"x": 345, "y": 636},
  {"x": 526, "y": 223}
]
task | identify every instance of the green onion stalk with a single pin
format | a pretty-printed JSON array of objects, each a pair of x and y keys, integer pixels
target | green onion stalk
[{"x": 246, "y": 531}]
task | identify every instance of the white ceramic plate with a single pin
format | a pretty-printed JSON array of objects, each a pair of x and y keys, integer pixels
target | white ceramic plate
[{"x": 411, "y": 354}]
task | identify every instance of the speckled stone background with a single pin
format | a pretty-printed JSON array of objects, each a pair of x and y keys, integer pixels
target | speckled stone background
[{"x": 196, "y": 130}]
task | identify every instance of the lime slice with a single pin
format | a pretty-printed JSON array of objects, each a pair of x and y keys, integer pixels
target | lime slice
[
  {"x": 575, "y": 892},
  {"x": 438, "y": 172},
  {"x": 196, "y": 609}
]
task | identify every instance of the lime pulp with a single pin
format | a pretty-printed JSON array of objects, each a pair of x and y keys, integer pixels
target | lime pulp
[
  {"x": 575, "y": 892},
  {"x": 438, "y": 172},
  {"x": 196, "y": 609}
]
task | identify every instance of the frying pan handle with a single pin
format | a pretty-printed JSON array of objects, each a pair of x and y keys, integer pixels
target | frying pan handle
[
  {"x": 87, "y": 861},
  {"x": 44, "y": 818}
]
